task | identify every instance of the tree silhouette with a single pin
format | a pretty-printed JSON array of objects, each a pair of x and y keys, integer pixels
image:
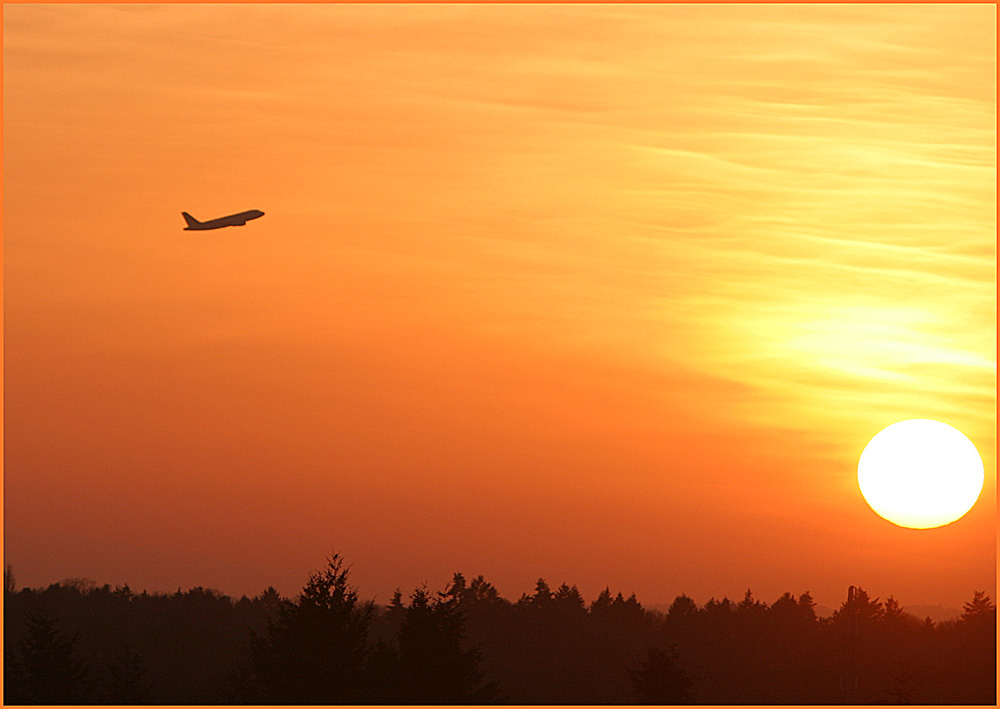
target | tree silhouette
[
  {"x": 790, "y": 615},
  {"x": 808, "y": 606},
  {"x": 682, "y": 607},
  {"x": 750, "y": 605},
  {"x": 569, "y": 601},
  {"x": 13, "y": 675},
  {"x": 902, "y": 688},
  {"x": 719, "y": 609},
  {"x": 46, "y": 671},
  {"x": 270, "y": 600},
  {"x": 602, "y": 603},
  {"x": 661, "y": 680},
  {"x": 979, "y": 608},
  {"x": 316, "y": 652},
  {"x": 434, "y": 668},
  {"x": 127, "y": 682},
  {"x": 859, "y": 609},
  {"x": 9, "y": 586},
  {"x": 855, "y": 627},
  {"x": 383, "y": 675},
  {"x": 482, "y": 591},
  {"x": 326, "y": 646},
  {"x": 541, "y": 599}
]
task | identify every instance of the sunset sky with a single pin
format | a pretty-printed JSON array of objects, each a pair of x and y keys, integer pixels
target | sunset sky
[{"x": 613, "y": 295}]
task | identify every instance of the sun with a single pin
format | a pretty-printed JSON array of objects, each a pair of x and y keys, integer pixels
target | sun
[{"x": 920, "y": 473}]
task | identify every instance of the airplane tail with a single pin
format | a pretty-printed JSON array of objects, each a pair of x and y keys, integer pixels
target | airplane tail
[{"x": 191, "y": 221}]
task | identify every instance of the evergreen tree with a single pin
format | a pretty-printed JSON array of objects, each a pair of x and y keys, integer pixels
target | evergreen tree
[
  {"x": 859, "y": 611},
  {"x": 719, "y": 608},
  {"x": 980, "y": 607},
  {"x": 457, "y": 588},
  {"x": 602, "y": 603},
  {"x": 9, "y": 585},
  {"x": 482, "y": 591},
  {"x": 127, "y": 679},
  {"x": 47, "y": 671},
  {"x": 13, "y": 676},
  {"x": 542, "y": 597},
  {"x": 807, "y": 607},
  {"x": 661, "y": 680},
  {"x": 434, "y": 668},
  {"x": 316, "y": 652},
  {"x": 568, "y": 597},
  {"x": 749, "y": 604},
  {"x": 383, "y": 675},
  {"x": 682, "y": 607}
]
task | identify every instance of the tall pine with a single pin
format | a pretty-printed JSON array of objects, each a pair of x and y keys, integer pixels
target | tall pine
[{"x": 47, "y": 671}]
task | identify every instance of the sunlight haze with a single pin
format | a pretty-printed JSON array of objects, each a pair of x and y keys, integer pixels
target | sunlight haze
[{"x": 613, "y": 295}]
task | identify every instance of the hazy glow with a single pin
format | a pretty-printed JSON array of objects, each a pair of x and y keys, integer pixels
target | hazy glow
[
  {"x": 605, "y": 292},
  {"x": 920, "y": 473}
]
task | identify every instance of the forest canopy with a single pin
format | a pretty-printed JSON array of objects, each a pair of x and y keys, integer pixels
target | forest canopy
[{"x": 75, "y": 642}]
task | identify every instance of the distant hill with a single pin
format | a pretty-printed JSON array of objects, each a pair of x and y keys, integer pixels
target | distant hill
[{"x": 935, "y": 613}]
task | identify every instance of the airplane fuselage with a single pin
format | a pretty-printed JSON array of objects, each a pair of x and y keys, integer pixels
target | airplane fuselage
[{"x": 232, "y": 220}]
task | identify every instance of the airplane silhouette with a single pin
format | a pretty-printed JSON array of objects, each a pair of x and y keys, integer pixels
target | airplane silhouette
[{"x": 232, "y": 220}]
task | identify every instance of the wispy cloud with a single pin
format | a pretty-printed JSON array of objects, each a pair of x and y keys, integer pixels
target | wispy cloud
[{"x": 536, "y": 239}]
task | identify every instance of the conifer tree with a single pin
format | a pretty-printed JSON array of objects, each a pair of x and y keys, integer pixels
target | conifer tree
[
  {"x": 661, "y": 680},
  {"x": 317, "y": 650},
  {"x": 981, "y": 606},
  {"x": 434, "y": 667},
  {"x": 127, "y": 682},
  {"x": 47, "y": 669}
]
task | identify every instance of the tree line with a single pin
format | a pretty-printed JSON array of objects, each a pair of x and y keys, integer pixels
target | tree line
[{"x": 78, "y": 643}]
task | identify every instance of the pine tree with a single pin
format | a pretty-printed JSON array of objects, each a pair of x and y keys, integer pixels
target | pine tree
[
  {"x": 47, "y": 671},
  {"x": 807, "y": 607},
  {"x": 859, "y": 610},
  {"x": 9, "y": 585},
  {"x": 127, "y": 679},
  {"x": 317, "y": 650},
  {"x": 682, "y": 607},
  {"x": 434, "y": 668},
  {"x": 482, "y": 591},
  {"x": 602, "y": 604},
  {"x": 661, "y": 680},
  {"x": 749, "y": 604},
  {"x": 980, "y": 607}
]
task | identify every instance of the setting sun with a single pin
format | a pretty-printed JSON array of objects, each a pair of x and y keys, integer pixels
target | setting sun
[{"x": 920, "y": 473}]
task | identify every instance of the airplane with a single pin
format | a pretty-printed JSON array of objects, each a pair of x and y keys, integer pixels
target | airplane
[{"x": 232, "y": 220}]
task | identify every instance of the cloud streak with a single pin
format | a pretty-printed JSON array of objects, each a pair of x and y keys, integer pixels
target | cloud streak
[{"x": 578, "y": 250}]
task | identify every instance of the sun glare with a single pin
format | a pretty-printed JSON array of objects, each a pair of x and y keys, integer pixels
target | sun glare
[{"x": 920, "y": 473}]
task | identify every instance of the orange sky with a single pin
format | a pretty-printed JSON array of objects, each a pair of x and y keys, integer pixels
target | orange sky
[{"x": 613, "y": 295}]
